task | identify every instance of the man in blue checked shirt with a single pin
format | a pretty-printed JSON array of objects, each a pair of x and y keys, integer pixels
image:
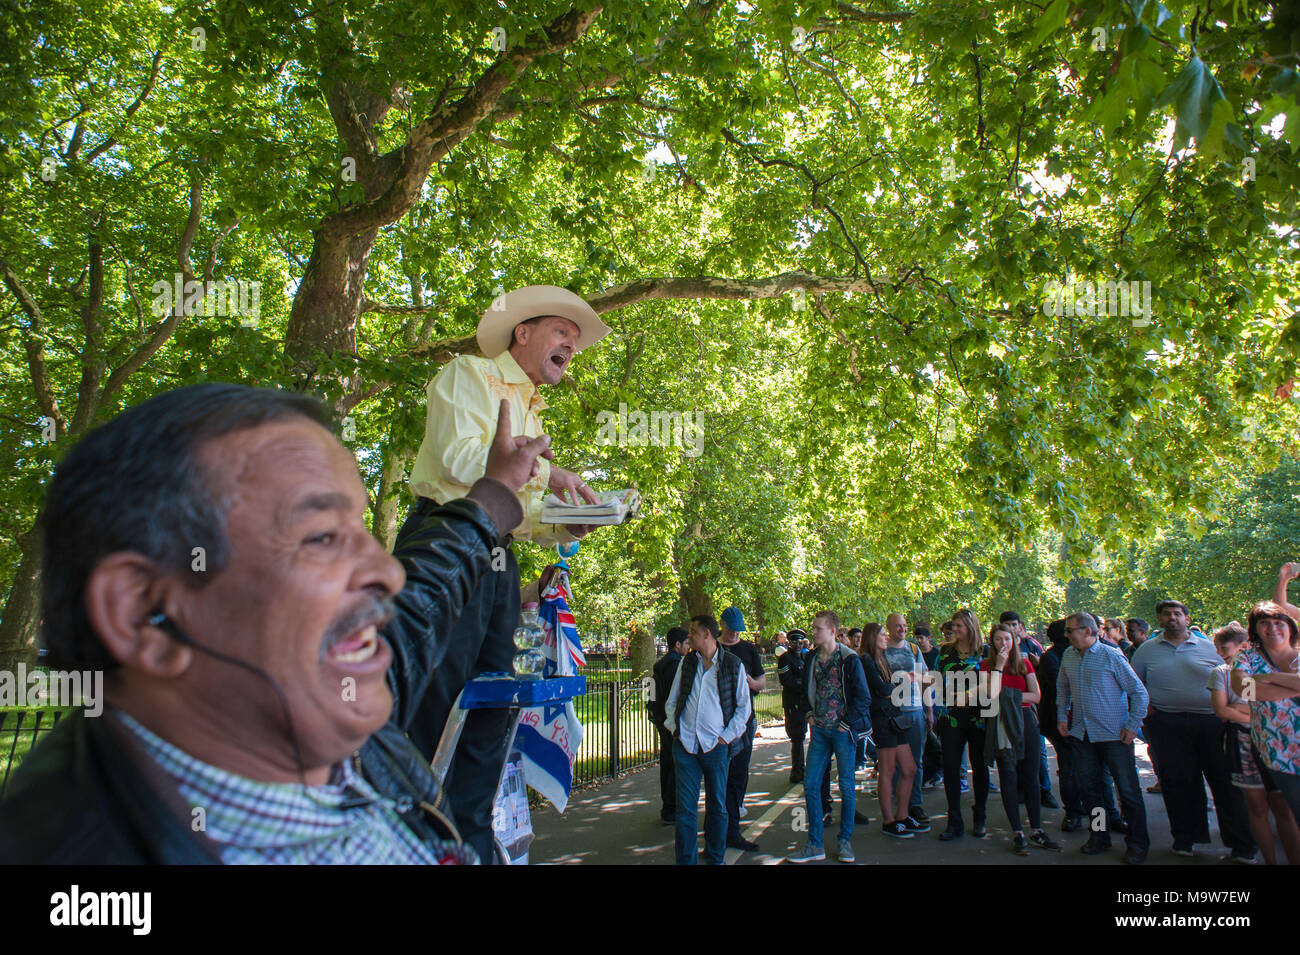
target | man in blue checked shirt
[
  {"x": 1100, "y": 705},
  {"x": 256, "y": 705}
]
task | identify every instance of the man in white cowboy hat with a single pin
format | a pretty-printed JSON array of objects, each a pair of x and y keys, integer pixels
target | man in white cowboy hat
[{"x": 528, "y": 338}]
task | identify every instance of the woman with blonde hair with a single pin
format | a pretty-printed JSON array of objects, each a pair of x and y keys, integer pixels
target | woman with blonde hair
[
  {"x": 1008, "y": 671},
  {"x": 961, "y": 727}
]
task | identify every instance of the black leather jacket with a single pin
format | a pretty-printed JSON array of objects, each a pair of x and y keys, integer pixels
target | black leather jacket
[{"x": 87, "y": 794}]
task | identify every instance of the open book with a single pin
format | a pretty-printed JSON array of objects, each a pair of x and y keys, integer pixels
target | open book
[{"x": 615, "y": 507}]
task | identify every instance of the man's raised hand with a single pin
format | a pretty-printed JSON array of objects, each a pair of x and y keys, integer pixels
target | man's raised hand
[{"x": 511, "y": 460}]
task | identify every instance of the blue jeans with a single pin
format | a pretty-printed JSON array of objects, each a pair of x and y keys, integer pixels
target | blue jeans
[
  {"x": 1118, "y": 757},
  {"x": 712, "y": 766},
  {"x": 822, "y": 744}
]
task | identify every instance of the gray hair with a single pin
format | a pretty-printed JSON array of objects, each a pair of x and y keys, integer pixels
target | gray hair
[
  {"x": 1083, "y": 619},
  {"x": 137, "y": 484}
]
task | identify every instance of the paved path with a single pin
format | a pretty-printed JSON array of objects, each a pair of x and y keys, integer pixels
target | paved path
[{"x": 618, "y": 824}]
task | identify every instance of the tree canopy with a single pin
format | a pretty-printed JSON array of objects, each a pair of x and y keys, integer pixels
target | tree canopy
[{"x": 892, "y": 255}]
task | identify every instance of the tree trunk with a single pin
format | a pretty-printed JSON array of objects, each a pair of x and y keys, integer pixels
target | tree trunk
[
  {"x": 328, "y": 302},
  {"x": 695, "y": 597},
  {"x": 18, "y": 628},
  {"x": 384, "y": 513},
  {"x": 642, "y": 651}
]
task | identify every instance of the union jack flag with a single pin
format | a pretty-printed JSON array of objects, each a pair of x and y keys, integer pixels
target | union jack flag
[
  {"x": 560, "y": 626},
  {"x": 549, "y": 735}
]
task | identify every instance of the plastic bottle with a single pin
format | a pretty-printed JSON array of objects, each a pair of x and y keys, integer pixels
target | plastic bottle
[{"x": 529, "y": 637}]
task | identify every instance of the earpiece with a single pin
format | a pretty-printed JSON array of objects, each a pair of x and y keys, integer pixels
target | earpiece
[{"x": 163, "y": 622}]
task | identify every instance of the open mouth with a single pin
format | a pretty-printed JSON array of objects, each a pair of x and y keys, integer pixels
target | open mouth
[
  {"x": 357, "y": 648},
  {"x": 560, "y": 361}
]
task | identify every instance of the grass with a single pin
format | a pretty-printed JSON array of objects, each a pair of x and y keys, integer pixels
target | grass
[{"x": 18, "y": 731}]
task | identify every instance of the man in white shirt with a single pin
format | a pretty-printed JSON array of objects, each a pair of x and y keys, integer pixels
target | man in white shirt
[{"x": 707, "y": 713}]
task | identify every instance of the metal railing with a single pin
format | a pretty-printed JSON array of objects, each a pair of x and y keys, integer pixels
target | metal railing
[
  {"x": 618, "y": 736},
  {"x": 20, "y": 727}
]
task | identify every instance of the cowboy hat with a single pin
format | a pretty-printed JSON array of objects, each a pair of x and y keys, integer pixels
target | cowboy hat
[{"x": 496, "y": 328}]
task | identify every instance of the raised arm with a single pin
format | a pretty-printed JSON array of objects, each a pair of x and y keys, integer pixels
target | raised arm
[
  {"x": 1289, "y": 572},
  {"x": 445, "y": 552}
]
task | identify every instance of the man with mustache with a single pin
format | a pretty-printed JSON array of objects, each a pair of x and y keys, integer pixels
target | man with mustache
[
  {"x": 263, "y": 654},
  {"x": 528, "y": 337}
]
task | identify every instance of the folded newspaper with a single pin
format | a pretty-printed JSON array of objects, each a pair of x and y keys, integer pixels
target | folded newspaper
[{"x": 615, "y": 507}]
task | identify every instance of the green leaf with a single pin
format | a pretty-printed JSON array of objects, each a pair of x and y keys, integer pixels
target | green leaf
[
  {"x": 1194, "y": 93},
  {"x": 1052, "y": 20}
]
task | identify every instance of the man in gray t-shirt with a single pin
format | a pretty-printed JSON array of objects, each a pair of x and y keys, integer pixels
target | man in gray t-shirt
[
  {"x": 1175, "y": 667},
  {"x": 906, "y": 663}
]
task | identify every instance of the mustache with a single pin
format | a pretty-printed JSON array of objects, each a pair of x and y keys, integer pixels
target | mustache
[{"x": 372, "y": 610}]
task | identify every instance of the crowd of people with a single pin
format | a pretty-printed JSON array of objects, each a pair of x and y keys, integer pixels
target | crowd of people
[
  {"x": 1219, "y": 710},
  {"x": 281, "y": 699}
]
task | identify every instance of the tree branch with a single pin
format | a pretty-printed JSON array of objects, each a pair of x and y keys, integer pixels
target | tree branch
[
  {"x": 620, "y": 296},
  {"x": 92, "y": 361},
  {"x": 34, "y": 343},
  {"x": 843, "y": 339},
  {"x": 109, "y": 143},
  {"x": 873, "y": 16},
  {"x": 162, "y": 330},
  {"x": 710, "y": 287},
  {"x": 436, "y": 135}
]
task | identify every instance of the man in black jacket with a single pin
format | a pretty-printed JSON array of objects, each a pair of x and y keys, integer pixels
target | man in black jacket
[
  {"x": 665, "y": 669},
  {"x": 207, "y": 550},
  {"x": 789, "y": 673}
]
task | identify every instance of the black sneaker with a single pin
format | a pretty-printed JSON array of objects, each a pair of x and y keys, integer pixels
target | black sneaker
[
  {"x": 897, "y": 830},
  {"x": 860, "y": 817},
  {"x": 1043, "y": 841},
  {"x": 919, "y": 815},
  {"x": 1072, "y": 824},
  {"x": 949, "y": 834},
  {"x": 912, "y": 824},
  {"x": 1021, "y": 845}
]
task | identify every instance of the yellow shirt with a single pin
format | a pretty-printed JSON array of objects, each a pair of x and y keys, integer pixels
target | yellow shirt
[{"x": 463, "y": 401}]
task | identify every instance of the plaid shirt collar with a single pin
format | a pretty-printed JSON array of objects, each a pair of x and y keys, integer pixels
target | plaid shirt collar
[{"x": 345, "y": 820}]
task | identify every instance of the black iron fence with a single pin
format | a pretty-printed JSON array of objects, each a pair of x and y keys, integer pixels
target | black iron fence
[
  {"x": 618, "y": 736},
  {"x": 20, "y": 728}
]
